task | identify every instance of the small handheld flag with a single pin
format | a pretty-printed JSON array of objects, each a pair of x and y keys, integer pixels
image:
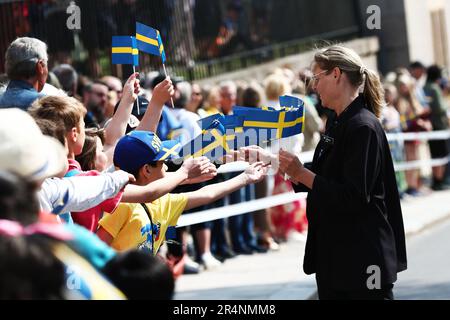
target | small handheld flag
[
  {"x": 149, "y": 41},
  {"x": 161, "y": 49},
  {"x": 124, "y": 50},
  {"x": 213, "y": 142}
]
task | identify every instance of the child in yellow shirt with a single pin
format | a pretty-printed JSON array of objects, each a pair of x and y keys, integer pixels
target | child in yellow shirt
[{"x": 144, "y": 226}]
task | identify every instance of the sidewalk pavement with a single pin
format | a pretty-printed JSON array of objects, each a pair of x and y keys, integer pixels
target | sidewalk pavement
[{"x": 278, "y": 275}]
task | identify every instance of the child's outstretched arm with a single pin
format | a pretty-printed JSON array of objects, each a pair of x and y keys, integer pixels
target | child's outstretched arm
[
  {"x": 193, "y": 168},
  {"x": 208, "y": 194},
  {"x": 161, "y": 94},
  {"x": 81, "y": 193},
  {"x": 118, "y": 125}
]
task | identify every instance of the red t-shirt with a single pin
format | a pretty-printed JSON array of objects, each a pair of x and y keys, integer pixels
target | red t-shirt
[{"x": 89, "y": 218}]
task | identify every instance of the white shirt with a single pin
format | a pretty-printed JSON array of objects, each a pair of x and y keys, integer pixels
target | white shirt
[{"x": 80, "y": 193}]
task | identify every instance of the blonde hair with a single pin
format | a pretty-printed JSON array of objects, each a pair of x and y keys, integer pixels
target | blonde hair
[
  {"x": 213, "y": 98},
  {"x": 349, "y": 62},
  {"x": 55, "y": 108},
  {"x": 409, "y": 100},
  {"x": 276, "y": 85}
]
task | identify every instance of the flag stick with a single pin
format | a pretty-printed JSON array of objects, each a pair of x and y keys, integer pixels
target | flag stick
[
  {"x": 165, "y": 72},
  {"x": 137, "y": 97}
]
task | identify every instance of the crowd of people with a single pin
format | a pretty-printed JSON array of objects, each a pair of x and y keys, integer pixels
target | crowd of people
[{"x": 91, "y": 194}]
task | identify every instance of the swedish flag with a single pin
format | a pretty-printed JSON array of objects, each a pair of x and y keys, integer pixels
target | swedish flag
[
  {"x": 247, "y": 126},
  {"x": 286, "y": 122},
  {"x": 228, "y": 122},
  {"x": 162, "y": 53},
  {"x": 214, "y": 142},
  {"x": 290, "y": 102},
  {"x": 149, "y": 41},
  {"x": 124, "y": 50}
]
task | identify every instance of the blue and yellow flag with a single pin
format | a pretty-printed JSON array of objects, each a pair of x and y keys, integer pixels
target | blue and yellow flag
[
  {"x": 161, "y": 49},
  {"x": 275, "y": 124},
  {"x": 245, "y": 127},
  {"x": 149, "y": 41},
  {"x": 290, "y": 102},
  {"x": 124, "y": 50},
  {"x": 214, "y": 142},
  {"x": 228, "y": 122}
]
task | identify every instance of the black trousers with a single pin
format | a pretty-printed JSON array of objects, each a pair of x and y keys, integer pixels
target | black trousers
[{"x": 325, "y": 292}]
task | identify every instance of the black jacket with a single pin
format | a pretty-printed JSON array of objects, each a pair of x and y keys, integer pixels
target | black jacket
[{"x": 354, "y": 214}]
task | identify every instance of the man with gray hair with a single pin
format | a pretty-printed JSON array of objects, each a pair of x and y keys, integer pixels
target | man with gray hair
[
  {"x": 26, "y": 67},
  {"x": 68, "y": 78},
  {"x": 228, "y": 96}
]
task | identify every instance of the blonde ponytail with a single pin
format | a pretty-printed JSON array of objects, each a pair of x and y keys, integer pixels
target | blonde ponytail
[
  {"x": 373, "y": 93},
  {"x": 348, "y": 61}
]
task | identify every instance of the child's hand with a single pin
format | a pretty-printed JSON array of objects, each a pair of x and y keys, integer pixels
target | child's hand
[
  {"x": 162, "y": 92},
  {"x": 231, "y": 156},
  {"x": 210, "y": 173},
  {"x": 131, "y": 88},
  {"x": 131, "y": 178},
  {"x": 255, "y": 172},
  {"x": 195, "y": 167}
]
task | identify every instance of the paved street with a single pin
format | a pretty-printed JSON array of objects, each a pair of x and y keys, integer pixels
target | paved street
[
  {"x": 278, "y": 275},
  {"x": 428, "y": 274},
  {"x": 275, "y": 275}
]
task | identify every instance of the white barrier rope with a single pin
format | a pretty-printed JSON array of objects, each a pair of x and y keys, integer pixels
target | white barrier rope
[
  {"x": 408, "y": 136},
  {"x": 402, "y": 166},
  {"x": 239, "y": 208},
  {"x": 258, "y": 204}
]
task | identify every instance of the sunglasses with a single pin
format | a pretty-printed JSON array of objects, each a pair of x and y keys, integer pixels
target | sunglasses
[{"x": 314, "y": 78}]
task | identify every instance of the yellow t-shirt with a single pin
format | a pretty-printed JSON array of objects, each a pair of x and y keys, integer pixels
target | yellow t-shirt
[{"x": 130, "y": 226}]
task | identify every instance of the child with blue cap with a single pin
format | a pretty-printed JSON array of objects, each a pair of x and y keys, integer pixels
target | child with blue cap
[{"x": 144, "y": 226}]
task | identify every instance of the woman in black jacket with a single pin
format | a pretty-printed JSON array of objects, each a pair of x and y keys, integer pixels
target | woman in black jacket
[{"x": 356, "y": 239}]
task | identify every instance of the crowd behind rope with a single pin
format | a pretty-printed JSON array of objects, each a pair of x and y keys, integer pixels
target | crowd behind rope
[{"x": 69, "y": 216}]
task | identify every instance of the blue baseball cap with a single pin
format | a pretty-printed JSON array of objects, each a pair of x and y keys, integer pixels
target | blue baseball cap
[{"x": 141, "y": 147}]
